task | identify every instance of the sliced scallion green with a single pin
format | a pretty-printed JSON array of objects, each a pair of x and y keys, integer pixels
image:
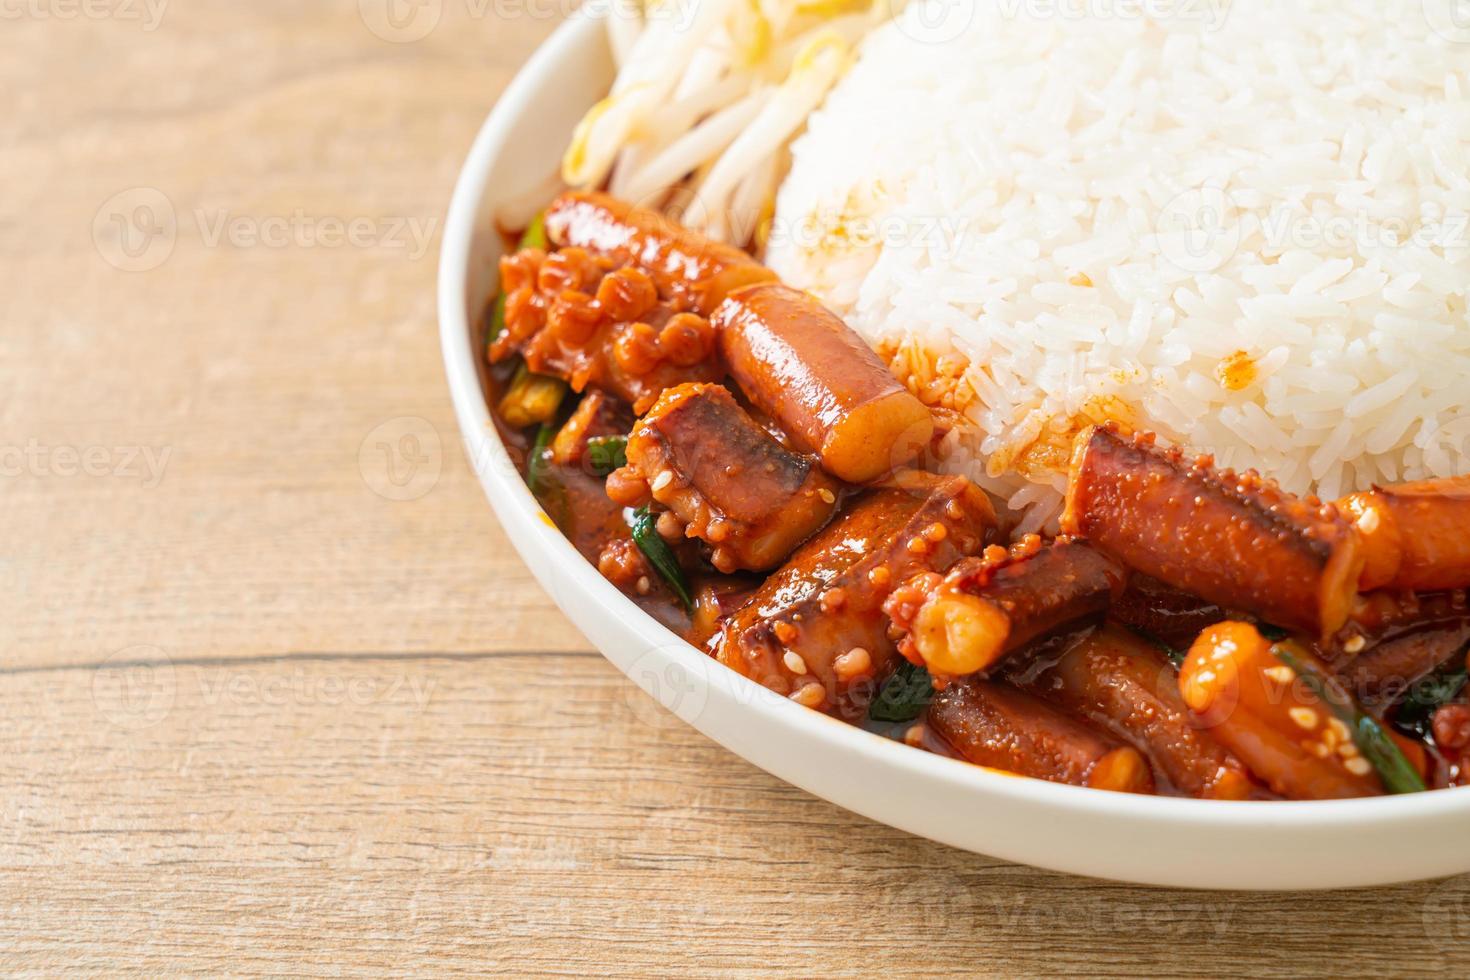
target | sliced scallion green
[
  {"x": 1398, "y": 775},
  {"x": 660, "y": 555},
  {"x": 533, "y": 237},
  {"x": 606, "y": 453}
]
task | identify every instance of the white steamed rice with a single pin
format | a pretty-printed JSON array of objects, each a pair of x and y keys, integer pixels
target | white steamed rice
[{"x": 1240, "y": 225}]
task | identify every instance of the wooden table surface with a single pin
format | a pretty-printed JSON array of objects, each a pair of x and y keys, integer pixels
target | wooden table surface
[{"x": 260, "y": 713}]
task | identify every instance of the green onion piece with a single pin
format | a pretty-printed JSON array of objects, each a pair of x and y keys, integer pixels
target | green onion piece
[
  {"x": 539, "y": 462},
  {"x": 533, "y": 237},
  {"x": 1416, "y": 711},
  {"x": 535, "y": 234},
  {"x": 660, "y": 555},
  {"x": 531, "y": 398},
  {"x": 906, "y": 693},
  {"x": 606, "y": 453},
  {"x": 1398, "y": 775},
  {"x": 1275, "y": 634},
  {"x": 497, "y": 318}
]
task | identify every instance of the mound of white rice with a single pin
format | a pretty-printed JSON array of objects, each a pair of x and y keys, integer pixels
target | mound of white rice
[{"x": 1241, "y": 225}]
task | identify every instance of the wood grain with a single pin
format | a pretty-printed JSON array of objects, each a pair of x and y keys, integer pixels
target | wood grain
[{"x": 256, "y": 715}]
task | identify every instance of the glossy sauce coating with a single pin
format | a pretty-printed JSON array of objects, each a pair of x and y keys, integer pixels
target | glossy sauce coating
[
  {"x": 992, "y": 724},
  {"x": 985, "y": 608},
  {"x": 1236, "y": 540},
  {"x": 727, "y": 480},
  {"x": 696, "y": 271},
  {"x": 1120, "y": 681},
  {"x": 1392, "y": 639},
  {"x": 1269, "y": 718},
  {"x": 801, "y": 365},
  {"x": 585, "y": 319},
  {"x": 816, "y": 628},
  {"x": 1162, "y": 612},
  {"x": 1414, "y": 535}
]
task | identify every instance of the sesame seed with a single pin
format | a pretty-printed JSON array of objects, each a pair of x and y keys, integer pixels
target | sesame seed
[
  {"x": 785, "y": 632},
  {"x": 828, "y": 497},
  {"x": 1358, "y": 766},
  {"x": 879, "y": 576},
  {"x": 918, "y": 546},
  {"x": 1318, "y": 749},
  {"x": 1281, "y": 674},
  {"x": 1354, "y": 644},
  {"x": 643, "y": 586},
  {"x": 663, "y": 480},
  {"x": 809, "y": 695},
  {"x": 914, "y": 736},
  {"x": 1347, "y": 750},
  {"x": 1341, "y": 730},
  {"x": 793, "y": 662},
  {"x": 1304, "y": 717},
  {"x": 936, "y": 532}
]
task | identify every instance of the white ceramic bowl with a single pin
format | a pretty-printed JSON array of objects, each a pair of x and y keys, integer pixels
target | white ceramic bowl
[{"x": 1152, "y": 840}]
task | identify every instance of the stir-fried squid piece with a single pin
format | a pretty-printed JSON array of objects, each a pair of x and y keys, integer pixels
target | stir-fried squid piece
[
  {"x": 621, "y": 305},
  {"x": 800, "y": 364},
  {"x": 694, "y": 271},
  {"x": 1261, "y": 710},
  {"x": 967, "y": 620},
  {"x": 816, "y": 629},
  {"x": 992, "y": 724},
  {"x": 724, "y": 479},
  {"x": 1121, "y": 682},
  {"x": 1414, "y": 535},
  {"x": 1234, "y": 539},
  {"x": 1163, "y": 613},
  {"x": 1398, "y": 637}
]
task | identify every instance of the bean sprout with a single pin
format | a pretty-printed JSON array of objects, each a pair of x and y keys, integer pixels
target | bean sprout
[{"x": 708, "y": 95}]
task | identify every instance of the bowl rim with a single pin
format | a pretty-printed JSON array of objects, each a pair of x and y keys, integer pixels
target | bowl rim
[{"x": 513, "y": 502}]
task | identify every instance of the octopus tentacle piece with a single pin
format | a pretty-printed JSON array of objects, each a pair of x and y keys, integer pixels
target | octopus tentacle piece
[
  {"x": 1415, "y": 535},
  {"x": 801, "y": 365},
  {"x": 985, "y": 608},
  {"x": 1235, "y": 539},
  {"x": 993, "y": 724},
  {"x": 725, "y": 480},
  {"x": 816, "y": 629},
  {"x": 1119, "y": 681},
  {"x": 1262, "y": 711}
]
